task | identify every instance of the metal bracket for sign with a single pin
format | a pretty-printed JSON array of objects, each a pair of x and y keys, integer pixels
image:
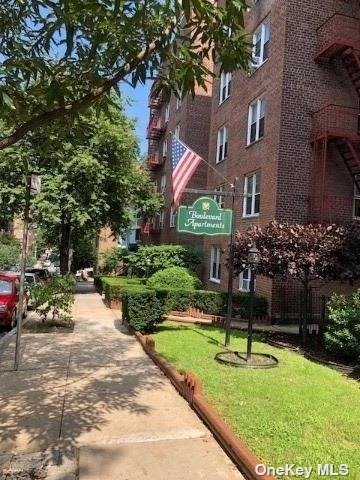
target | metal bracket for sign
[{"x": 234, "y": 194}]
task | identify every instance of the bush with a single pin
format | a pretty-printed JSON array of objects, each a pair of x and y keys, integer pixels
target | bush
[
  {"x": 242, "y": 305},
  {"x": 143, "y": 308},
  {"x": 112, "y": 259},
  {"x": 150, "y": 259},
  {"x": 56, "y": 296},
  {"x": 212, "y": 303},
  {"x": 9, "y": 251},
  {"x": 343, "y": 333},
  {"x": 114, "y": 286},
  {"x": 174, "y": 278}
]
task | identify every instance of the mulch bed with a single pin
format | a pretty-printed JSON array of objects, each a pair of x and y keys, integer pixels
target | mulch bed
[{"x": 48, "y": 326}]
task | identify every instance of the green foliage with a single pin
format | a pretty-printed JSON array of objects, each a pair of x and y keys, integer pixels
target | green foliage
[
  {"x": 304, "y": 410},
  {"x": 112, "y": 259},
  {"x": 150, "y": 259},
  {"x": 58, "y": 58},
  {"x": 113, "y": 287},
  {"x": 56, "y": 296},
  {"x": 174, "y": 278},
  {"x": 143, "y": 308},
  {"x": 242, "y": 305},
  {"x": 90, "y": 174},
  {"x": 343, "y": 333},
  {"x": 85, "y": 254},
  {"x": 9, "y": 251}
]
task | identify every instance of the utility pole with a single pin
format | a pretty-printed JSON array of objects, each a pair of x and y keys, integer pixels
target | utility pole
[
  {"x": 231, "y": 265},
  {"x": 22, "y": 275}
]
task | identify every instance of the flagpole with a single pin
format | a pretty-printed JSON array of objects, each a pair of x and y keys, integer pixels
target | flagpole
[{"x": 231, "y": 265}]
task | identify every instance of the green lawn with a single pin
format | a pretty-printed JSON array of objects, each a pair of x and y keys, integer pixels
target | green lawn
[{"x": 298, "y": 412}]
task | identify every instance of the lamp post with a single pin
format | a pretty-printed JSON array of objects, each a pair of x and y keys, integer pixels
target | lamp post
[{"x": 253, "y": 261}]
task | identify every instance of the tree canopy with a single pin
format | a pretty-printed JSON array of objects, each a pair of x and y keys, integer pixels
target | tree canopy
[
  {"x": 90, "y": 174},
  {"x": 59, "y": 57}
]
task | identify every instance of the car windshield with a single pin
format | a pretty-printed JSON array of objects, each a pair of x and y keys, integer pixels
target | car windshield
[{"x": 5, "y": 287}]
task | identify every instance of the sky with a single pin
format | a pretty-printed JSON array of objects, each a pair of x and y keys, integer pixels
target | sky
[{"x": 137, "y": 108}]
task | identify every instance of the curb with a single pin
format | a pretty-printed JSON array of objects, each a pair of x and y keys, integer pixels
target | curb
[
  {"x": 190, "y": 387},
  {"x": 7, "y": 337}
]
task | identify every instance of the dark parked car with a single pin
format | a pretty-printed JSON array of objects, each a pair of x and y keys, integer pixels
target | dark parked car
[
  {"x": 9, "y": 300},
  {"x": 42, "y": 273}
]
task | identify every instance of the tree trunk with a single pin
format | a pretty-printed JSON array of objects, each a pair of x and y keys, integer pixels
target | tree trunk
[{"x": 64, "y": 247}]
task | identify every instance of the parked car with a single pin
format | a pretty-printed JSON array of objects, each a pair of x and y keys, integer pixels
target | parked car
[
  {"x": 9, "y": 300},
  {"x": 31, "y": 279},
  {"x": 42, "y": 273}
]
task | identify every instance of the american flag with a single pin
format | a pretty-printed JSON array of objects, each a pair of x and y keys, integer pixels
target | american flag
[{"x": 184, "y": 163}]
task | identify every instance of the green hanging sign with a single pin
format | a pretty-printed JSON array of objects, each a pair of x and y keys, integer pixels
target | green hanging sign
[{"x": 204, "y": 217}]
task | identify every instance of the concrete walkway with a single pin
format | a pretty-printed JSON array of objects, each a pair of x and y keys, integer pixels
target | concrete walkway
[{"x": 100, "y": 408}]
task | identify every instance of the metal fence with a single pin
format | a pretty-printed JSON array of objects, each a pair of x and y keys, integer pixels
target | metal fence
[{"x": 290, "y": 307}]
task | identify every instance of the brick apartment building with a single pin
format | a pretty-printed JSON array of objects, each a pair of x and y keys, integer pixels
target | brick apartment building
[{"x": 288, "y": 129}]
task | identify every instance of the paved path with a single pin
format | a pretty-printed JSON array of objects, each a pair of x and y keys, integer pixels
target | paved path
[{"x": 97, "y": 403}]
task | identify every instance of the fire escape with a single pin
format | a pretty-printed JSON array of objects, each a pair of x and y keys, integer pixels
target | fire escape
[
  {"x": 336, "y": 126},
  {"x": 155, "y": 159}
]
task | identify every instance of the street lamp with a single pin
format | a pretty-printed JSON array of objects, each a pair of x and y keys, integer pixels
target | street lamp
[{"x": 253, "y": 260}]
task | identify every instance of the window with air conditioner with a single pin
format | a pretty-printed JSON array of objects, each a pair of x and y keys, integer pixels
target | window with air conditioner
[
  {"x": 251, "y": 206},
  {"x": 261, "y": 43},
  {"x": 222, "y": 144},
  {"x": 256, "y": 120},
  {"x": 215, "y": 264},
  {"x": 225, "y": 86}
]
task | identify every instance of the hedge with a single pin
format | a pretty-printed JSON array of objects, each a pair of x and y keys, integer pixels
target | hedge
[
  {"x": 143, "y": 308},
  {"x": 166, "y": 300},
  {"x": 113, "y": 286},
  {"x": 178, "y": 278}
]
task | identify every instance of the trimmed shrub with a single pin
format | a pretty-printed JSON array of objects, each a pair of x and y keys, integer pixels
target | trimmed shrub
[
  {"x": 151, "y": 258},
  {"x": 343, "y": 334},
  {"x": 143, "y": 308},
  {"x": 174, "y": 278},
  {"x": 212, "y": 303},
  {"x": 242, "y": 305},
  {"x": 114, "y": 286}
]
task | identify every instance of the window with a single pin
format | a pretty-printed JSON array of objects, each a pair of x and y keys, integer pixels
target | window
[
  {"x": 215, "y": 266},
  {"x": 222, "y": 144},
  {"x": 252, "y": 195},
  {"x": 356, "y": 202},
  {"x": 177, "y": 131},
  {"x": 244, "y": 280},
  {"x": 219, "y": 198},
  {"x": 161, "y": 219},
  {"x": 256, "y": 120},
  {"x": 167, "y": 112},
  {"x": 163, "y": 183},
  {"x": 225, "y": 86},
  {"x": 178, "y": 100},
  {"x": 164, "y": 147},
  {"x": 172, "y": 218},
  {"x": 261, "y": 41}
]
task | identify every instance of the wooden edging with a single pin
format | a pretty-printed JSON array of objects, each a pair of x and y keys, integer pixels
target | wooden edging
[{"x": 190, "y": 387}]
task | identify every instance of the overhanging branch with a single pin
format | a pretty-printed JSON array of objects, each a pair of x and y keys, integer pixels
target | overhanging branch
[{"x": 90, "y": 97}]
